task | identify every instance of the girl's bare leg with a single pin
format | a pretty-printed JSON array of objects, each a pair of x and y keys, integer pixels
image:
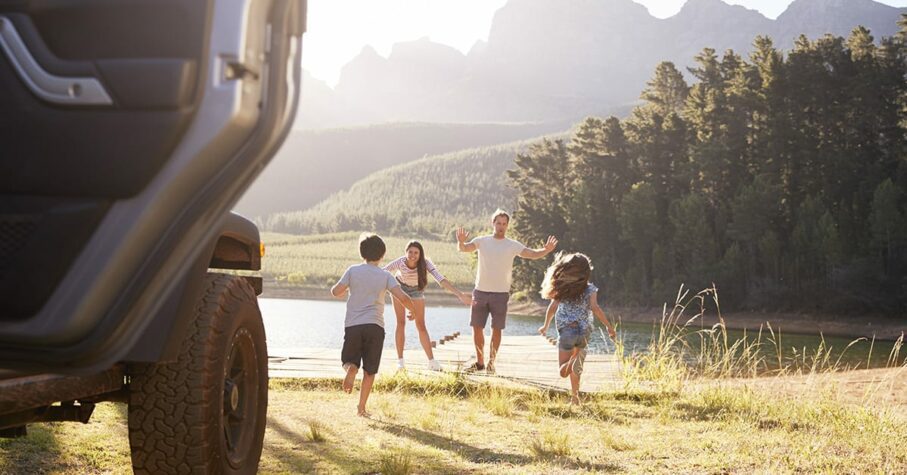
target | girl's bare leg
[
  {"x": 565, "y": 360},
  {"x": 419, "y": 316},
  {"x": 400, "y": 333},
  {"x": 574, "y": 388},
  {"x": 577, "y": 363}
]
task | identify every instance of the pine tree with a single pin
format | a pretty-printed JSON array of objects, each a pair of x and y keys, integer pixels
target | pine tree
[
  {"x": 667, "y": 92},
  {"x": 888, "y": 222},
  {"x": 693, "y": 240},
  {"x": 599, "y": 179},
  {"x": 542, "y": 178},
  {"x": 639, "y": 228}
]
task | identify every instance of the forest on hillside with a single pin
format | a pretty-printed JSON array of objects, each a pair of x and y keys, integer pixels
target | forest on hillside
[
  {"x": 779, "y": 177},
  {"x": 313, "y": 164},
  {"x": 428, "y": 197}
]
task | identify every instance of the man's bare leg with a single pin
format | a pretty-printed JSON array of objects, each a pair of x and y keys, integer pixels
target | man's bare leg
[
  {"x": 478, "y": 337},
  {"x": 496, "y": 334}
]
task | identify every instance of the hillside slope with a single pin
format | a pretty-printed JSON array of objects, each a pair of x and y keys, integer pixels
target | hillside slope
[
  {"x": 432, "y": 195},
  {"x": 313, "y": 164}
]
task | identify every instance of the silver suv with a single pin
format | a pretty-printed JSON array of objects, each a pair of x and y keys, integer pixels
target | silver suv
[{"x": 128, "y": 130}]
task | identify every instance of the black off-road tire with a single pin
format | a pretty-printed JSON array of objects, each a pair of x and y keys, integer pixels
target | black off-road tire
[{"x": 206, "y": 412}]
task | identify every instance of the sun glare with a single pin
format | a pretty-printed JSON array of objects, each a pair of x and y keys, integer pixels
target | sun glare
[{"x": 339, "y": 29}]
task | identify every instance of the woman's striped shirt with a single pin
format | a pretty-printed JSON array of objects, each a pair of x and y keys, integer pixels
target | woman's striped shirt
[{"x": 409, "y": 276}]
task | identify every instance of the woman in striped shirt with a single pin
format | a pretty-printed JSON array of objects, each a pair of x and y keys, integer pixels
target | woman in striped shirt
[{"x": 412, "y": 270}]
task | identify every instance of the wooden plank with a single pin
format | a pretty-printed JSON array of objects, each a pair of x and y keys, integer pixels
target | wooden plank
[{"x": 522, "y": 360}]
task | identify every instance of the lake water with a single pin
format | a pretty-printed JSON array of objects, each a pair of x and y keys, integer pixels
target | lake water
[{"x": 295, "y": 324}]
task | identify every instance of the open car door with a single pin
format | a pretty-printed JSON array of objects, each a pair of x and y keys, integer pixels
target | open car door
[{"x": 128, "y": 129}]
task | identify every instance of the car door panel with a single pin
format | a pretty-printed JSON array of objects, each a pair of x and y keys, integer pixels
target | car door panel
[
  {"x": 163, "y": 164},
  {"x": 42, "y": 235},
  {"x": 91, "y": 149}
]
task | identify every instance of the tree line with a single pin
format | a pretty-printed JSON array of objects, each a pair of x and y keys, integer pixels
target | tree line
[
  {"x": 429, "y": 197},
  {"x": 779, "y": 177}
]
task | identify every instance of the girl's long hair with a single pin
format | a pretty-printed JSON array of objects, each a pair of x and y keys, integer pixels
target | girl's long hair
[
  {"x": 567, "y": 277},
  {"x": 421, "y": 268}
]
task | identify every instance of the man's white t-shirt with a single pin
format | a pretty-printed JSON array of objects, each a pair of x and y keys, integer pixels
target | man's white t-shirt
[{"x": 496, "y": 263}]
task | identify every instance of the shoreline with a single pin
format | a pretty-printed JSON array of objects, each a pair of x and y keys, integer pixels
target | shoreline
[
  {"x": 787, "y": 322},
  {"x": 884, "y": 329}
]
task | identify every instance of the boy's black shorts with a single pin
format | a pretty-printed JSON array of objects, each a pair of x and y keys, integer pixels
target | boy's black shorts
[{"x": 362, "y": 346}]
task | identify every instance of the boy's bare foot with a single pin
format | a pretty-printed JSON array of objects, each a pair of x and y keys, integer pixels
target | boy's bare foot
[
  {"x": 350, "y": 378},
  {"x": 575, "y": 400},
  {"x": 489, "y": 368},
  {"x": 363, "y": 413}
]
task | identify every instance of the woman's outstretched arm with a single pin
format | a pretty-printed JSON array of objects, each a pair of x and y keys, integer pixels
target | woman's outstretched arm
[{"x": 463, "y": 296}]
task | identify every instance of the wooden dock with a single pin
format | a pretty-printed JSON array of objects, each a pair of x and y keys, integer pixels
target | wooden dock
[{"x": 522, "y": 360}]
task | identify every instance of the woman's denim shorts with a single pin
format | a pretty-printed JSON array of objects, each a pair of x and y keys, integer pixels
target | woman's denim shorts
[{"x": 412, "y": 291}]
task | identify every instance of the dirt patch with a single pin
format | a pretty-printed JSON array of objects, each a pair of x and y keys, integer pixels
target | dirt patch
[{"x": 881, "y": 389}]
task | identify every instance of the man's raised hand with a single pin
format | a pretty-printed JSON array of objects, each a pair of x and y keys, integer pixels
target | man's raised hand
[
  {"x": 462, "y": 235},
  {"x": 550, "y": 244}
]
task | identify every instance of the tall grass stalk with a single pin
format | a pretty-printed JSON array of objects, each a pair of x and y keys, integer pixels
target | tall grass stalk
[
  {"x": 681, "y": 349},
  {"x": 396, "y": 461},
  {"x": 316, "y": 432},
  {"x": 550, "y": 444},
  {"x": 895, "y": 352}
]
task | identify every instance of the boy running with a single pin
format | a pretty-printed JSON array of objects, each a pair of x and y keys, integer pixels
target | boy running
[{"x": 363, "y": 335}]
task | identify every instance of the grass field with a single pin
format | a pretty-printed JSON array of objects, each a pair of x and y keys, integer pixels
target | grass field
[
  {"x": 319, "y": 260},
  {"x": 681, "y": 409},
  {"x": 449, "y": 425}
]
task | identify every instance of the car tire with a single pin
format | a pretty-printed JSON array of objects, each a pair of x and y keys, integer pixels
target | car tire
[{"x": 205, "y": 412}]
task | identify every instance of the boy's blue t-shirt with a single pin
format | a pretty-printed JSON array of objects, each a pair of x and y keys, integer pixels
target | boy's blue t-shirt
[
  {"x": 368, "y": 285},
  {"x": 576, "y": 311}
]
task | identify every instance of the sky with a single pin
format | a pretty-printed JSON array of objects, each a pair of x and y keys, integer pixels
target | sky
[
  {"x": 339, "y": 29},
  {"x": 769, "y": 8}
]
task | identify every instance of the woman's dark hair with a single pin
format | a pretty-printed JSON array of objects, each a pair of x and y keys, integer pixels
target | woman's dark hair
[
  {"x": 371, "y": 247},
  {"x": 421, "y": 268}
]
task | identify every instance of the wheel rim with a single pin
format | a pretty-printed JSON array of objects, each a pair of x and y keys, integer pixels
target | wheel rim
[{"x": 241, "y": 387}]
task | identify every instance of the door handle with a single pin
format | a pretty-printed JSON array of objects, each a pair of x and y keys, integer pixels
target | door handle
[{"x": 74, "y": 91}]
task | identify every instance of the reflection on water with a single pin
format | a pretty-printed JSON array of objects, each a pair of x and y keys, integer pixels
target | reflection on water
[{"x": 296, "y": 324}]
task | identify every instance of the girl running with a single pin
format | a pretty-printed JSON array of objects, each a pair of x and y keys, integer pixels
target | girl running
[{"x": 573, "y": 301}]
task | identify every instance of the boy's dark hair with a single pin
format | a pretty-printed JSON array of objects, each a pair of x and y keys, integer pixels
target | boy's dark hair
[{"x": 371, "y": 247}]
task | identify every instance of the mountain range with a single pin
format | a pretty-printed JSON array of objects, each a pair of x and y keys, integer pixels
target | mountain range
[
  {"x": 548, "y": 60},
  {"x": 313, "y": 164}
]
